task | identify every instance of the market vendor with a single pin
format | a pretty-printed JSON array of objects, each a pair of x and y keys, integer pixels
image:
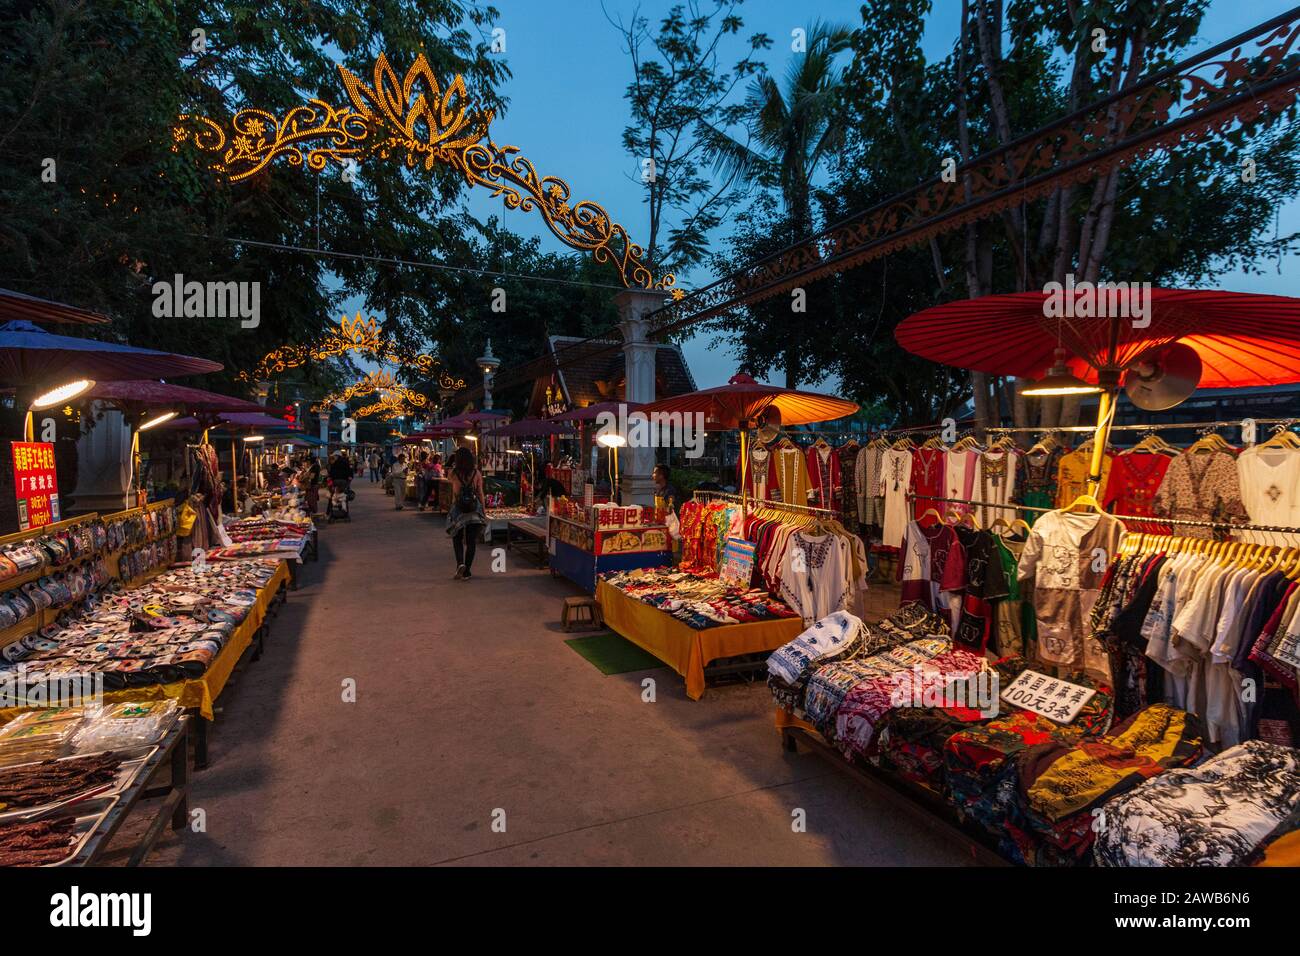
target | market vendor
[{"x": 664, "y": 488}]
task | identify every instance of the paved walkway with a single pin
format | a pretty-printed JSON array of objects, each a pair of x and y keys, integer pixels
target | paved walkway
[{"x": 468, "y": 703}]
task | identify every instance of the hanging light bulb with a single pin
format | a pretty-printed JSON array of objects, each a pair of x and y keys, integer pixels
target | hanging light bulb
[{"x": 1059, "y": 380}]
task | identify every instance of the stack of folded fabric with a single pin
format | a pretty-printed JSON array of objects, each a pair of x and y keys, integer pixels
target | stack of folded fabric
[
  {"x": 700, "y": 602},
  {"x": 1220, "y": 813}
]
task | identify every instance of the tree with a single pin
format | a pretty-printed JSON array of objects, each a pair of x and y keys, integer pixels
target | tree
[
  {"x": 794, "y": 128},
  {"x": 96, "y": 88},
  {"x": 1184, "y": 216},
  {"x": 678, "y": 91}
]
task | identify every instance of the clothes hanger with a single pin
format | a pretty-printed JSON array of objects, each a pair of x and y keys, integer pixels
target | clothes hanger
[
  {"x": 1283, "y": 437},
  {"x": 930, "y": 511},
  {"x": 1085, "y": 500}
]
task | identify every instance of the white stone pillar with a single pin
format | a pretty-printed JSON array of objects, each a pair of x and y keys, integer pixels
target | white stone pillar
[
  {"x": 639, "y": 366},
  {"x": 103, "y": 463},
  {"x": 488, "y": 365}
]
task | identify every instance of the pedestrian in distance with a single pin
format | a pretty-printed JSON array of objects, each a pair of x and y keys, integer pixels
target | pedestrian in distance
[{"x": 468, "y": 512}]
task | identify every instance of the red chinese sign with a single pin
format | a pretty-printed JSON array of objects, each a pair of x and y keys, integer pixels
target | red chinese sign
[{"x": 35, "y": 484}]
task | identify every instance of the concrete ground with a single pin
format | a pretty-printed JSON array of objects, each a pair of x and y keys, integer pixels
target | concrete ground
[{"x": 470, "y": 711}]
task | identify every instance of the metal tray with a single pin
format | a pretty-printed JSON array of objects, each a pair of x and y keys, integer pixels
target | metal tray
[
  {"x": 89, "y": 816},
  {"x": 133, "y": 761}
]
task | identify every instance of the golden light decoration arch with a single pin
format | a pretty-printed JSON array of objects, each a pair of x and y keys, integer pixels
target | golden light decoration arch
[
  {"x": 363, "y": 336},
  {"x": 381, "y": 382},
  {"x": 418, "y": 118}
]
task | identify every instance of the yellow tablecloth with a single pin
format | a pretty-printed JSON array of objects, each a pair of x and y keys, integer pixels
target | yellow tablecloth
[
  {"x": 686, "y": 649},
  {"x": 200, "y": 692}
]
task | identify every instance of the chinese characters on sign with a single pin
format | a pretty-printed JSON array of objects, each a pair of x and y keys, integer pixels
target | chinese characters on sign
[
  {"x": 1053, "y": 698},
  {"x": 35, "y": 484}
]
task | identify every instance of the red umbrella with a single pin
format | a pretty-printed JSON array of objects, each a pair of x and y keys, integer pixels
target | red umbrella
[
  {"x": 532, "y": 428},
  {"x": 743, "y": 401},
  {"x": 1242, "y": 338},
  {"x": 30, "y": 355},
  {"x": 151, "y": 394},
  {"x": 470, "y": 419},
  {"x": 592, "y": 412}
]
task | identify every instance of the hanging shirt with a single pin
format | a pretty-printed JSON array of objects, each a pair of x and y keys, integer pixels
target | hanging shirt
[
  {"x": 1072, "y": 476},
  {"x": 760, "y": 473},
  {"x": 866, "y": 479},
  {"x": 848, "y": 503},
  {"x": 791, "y": 475},
  {"x": 1135, "y": 479},
  {"x": 1065, "y": 558},
  {"x": 1201, "y": 486},
  {"x": 1037, "y": 481},
  {"x": 929, "y": 479},
  {"x": 1269, "y": 480},
  {"x": 816, "y": 576},
  {"x": 961, "y": 472},
  {"x": 823, "y": 475},
  {"x": 895, "y": 483},
  {"x": 996, "y": 483}
]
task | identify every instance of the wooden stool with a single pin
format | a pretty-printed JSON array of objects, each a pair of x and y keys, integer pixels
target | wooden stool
[{"x": 581, "y": 612}]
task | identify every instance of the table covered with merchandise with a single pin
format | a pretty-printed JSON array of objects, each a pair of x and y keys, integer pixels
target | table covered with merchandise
[
  {"x": 896, "y": 703},
  {"x": 69, "y": 778},
  {"x": 197, "y": 625},
  {"x": 688, "y": 621}
]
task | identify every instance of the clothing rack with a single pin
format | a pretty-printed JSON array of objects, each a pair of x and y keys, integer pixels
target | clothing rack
[
  {"x": 1148, "y": 519},
  {"x": 1157, "y": 426},
  {"x": 762, "y": 503}
]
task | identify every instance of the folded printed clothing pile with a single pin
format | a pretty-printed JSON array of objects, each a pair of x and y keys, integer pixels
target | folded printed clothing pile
[
  {"x": 266, "y": 529},
  {"x": 1050, "y": 801},
  {"x": 168, "y": 630},
  {"x": 700, "y": 602},
  {"x": 256, "y": 548},
  {"x": 1227, "y": 811},
  {"x": 843, "y": 638}
]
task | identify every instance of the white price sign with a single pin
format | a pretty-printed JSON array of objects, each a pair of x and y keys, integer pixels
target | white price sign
[{"x": 1053, "y": 698}]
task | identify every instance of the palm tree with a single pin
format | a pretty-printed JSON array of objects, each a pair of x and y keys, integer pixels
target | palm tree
[{"x": 793, "y": 126}]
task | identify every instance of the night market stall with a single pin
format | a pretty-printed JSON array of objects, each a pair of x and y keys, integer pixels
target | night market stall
[
  {"x": 753, "y": 573},
  {"x": 1094, "y": 661}
]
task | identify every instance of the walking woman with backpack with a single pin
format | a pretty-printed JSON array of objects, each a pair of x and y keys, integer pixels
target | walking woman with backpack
[{"x": 467, "y": 513}]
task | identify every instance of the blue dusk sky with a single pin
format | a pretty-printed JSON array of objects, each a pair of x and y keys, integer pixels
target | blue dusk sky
[{"x": 567, "y": 112}]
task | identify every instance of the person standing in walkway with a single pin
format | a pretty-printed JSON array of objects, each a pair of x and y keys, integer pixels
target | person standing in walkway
[
  {"x": 397, "y": 475},
  {"x": 373, "y": 461},
  {"x": 468, "y": 514},
  {"x": 421, "y": 480}
]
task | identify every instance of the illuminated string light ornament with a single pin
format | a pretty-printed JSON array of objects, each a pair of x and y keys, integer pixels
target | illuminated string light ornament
[
  {"x": 382, "y": 382},
  {"x": 355, "y": 335},
  {"x": 417, "y": 118}
]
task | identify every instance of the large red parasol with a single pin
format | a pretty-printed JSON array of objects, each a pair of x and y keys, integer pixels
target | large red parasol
[
  {"x": 591, "y": 412},
  {"x": 743, "y": 401},
  {"x": 1242, "y": 338},
  {"x": 532, "y": 428},
  {"x": 147, "y": 393}
]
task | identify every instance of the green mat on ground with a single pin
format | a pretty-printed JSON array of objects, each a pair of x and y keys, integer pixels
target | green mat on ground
[{"x": 612, "y": 654}]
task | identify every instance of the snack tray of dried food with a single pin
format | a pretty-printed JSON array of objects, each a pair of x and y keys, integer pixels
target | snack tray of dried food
[
  {"x": 89, "y": 816},
  {"x": 133, "y": 760}
]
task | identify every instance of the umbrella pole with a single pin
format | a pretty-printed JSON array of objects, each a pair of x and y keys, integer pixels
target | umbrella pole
[
  {"x": 1106, "y": 404},
  {"x": 744, "y": 463},
  {"x": 234, "y": 476}
]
